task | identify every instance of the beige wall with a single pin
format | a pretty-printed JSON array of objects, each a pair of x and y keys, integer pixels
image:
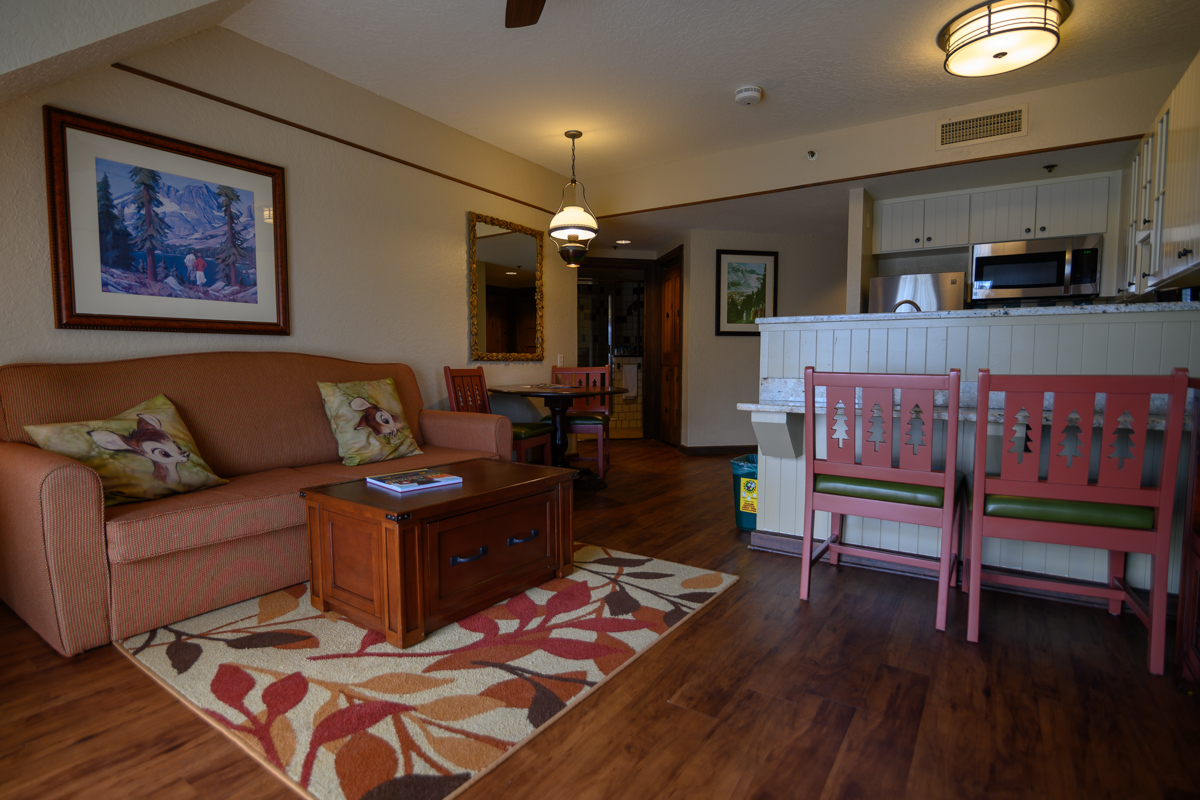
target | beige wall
[
  {"x": 1115, "y": 106},
  {"x": 378, "y": 251},
  {"x": 721, "y": 371}
]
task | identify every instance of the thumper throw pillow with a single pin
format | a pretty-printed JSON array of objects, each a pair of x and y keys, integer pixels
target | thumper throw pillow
[{"x": 367, "y": 421}]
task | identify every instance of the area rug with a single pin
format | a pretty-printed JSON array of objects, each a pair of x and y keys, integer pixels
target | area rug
[{"x": 340, "y": 713}]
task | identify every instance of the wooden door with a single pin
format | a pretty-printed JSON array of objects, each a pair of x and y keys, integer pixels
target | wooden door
[{"x": 670, "y": 423}]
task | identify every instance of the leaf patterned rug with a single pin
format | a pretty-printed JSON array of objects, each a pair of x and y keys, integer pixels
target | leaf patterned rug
[{"x": 336, "y": 710}]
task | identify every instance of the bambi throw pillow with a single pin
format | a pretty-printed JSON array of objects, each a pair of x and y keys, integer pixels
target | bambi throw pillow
[
  {"x": 141, "y": 454},
  {"x": 367, "y": 421}
]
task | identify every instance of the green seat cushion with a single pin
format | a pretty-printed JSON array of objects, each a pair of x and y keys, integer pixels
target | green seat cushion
[
  {"x": 582, "y": 419},
  {"x": 531, "y": 430},
  {"x": 1076, "y": 512},
  {"x": 888, "y": 491}
]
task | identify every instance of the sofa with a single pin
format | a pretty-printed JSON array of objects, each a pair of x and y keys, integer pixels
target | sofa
[{"x": 82, "y": 575}]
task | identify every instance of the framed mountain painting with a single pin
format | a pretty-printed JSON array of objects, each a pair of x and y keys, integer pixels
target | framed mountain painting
[
  {"x": 154, "y": 234},
  {"x": 745, "y": 290}
]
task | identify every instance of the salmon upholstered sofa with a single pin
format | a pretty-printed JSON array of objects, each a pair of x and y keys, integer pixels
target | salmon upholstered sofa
[{"x": 82, "y": 575}]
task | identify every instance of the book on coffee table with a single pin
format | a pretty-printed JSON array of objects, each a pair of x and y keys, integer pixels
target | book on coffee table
[{"x": 413, "y": 480}]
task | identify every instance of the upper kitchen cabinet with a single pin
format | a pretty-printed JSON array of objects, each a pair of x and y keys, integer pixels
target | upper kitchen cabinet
[
  {"x": 913, "y": 224},
  {"x": 1003, "y": 215},
  {"x": 1175, "y": 193},
  {"x": 1072, "y": 208}
]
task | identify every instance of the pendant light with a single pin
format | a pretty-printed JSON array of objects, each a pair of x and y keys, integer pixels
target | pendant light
[
  {"x": 1002, "y": 36},
  {"x": 574, "y": 226}
]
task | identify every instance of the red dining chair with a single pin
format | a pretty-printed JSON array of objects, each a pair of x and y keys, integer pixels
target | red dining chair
[
  {"x": 1109, "y": 506},
  {"x": 860, "y": 474},
  {"x": 468, "y": 392},
  {"x": 588, "y": 415}
]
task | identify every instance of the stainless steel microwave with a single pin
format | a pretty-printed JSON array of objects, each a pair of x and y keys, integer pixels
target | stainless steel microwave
[{"x": 1036, "y": 268}]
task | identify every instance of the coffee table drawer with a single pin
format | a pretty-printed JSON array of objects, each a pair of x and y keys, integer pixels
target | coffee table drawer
[{"x": 477, "y": 551}]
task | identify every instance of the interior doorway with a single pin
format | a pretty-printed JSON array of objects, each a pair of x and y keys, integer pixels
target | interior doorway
[{"x": 612, "y": 329}]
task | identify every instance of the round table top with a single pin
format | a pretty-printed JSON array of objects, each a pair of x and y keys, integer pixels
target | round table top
[{"x": 553, "y": 390}]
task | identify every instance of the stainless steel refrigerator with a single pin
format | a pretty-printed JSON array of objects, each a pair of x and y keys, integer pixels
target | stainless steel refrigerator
[{"x": 940, "y": 291}]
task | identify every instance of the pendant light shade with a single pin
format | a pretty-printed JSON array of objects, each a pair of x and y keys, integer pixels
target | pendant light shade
[
  {"x": 574, "y": 226},
  {"x": 1002, "y": 36}
]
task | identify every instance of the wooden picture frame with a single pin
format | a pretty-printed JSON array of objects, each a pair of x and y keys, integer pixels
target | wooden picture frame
[
  {"x": 749, "y": 293},
  {"x": 216, "y": 234},
  {"x": 536, "y": 351}
]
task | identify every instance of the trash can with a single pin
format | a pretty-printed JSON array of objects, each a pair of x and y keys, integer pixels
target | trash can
[{"x": 745, "y": 491}]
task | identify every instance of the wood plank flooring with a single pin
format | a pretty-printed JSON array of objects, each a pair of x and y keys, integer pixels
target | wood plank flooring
[{"x": 852, "y": 695}]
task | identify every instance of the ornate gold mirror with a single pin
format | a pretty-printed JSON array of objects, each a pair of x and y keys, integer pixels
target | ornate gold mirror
[{"x": 506, "y": 290}]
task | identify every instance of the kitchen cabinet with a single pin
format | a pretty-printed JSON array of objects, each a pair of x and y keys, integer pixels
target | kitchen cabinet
[
  {"x": 932, "y": 222},
  {"x": 901, "y": 225},
  {"x": 1175, "y": 231},
  {"x": 1072, "y": 208},
  {"x": 1003, "y": 215},
  {"x": 947, "y": 221}
]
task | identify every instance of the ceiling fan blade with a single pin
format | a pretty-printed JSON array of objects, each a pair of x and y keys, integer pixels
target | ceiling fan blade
[{"x": 521, "y": 13}]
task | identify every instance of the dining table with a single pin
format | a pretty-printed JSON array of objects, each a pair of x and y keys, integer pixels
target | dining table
[{"x": 559, "y": 398}]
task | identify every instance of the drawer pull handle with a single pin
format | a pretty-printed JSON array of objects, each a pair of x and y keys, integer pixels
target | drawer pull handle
[
  {"x": 513, "y": 540},
  {"x": 456, "y": 560}
]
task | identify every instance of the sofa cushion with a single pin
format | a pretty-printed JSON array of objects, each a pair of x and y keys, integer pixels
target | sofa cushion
[
  {"x": 247, "y": 505},
  {"x": 368, "y": 421},
  {"x": 432, "y": 456},
  {"x": 140, "y": 454},
  {"x": 235, "y": 404}
]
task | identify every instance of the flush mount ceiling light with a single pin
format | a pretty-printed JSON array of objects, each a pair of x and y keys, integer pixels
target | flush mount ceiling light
[
  {"x": 624, "y": 241},
  {"x": 1001, "y": 36},
  {"x": 574, "y": 226}
]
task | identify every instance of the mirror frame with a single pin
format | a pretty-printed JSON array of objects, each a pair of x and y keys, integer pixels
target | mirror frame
[{"x": 479, "y": 353}]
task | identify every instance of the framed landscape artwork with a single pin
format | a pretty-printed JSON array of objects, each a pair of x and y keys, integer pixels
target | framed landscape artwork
[
  {"x": 745, "y": 290},
  {"x": 150, "y": 233}
]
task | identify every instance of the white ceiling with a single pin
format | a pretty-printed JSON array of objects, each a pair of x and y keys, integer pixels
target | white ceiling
[{"x": 651, "y": 81}]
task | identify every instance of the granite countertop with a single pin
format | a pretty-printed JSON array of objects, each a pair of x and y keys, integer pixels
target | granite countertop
[{"x": 974, "y": 313}]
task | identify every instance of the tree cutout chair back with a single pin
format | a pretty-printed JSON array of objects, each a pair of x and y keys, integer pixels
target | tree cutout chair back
[
  {"x": 467, "y": 391},
  {"x": 859, "y": 474},
  {"x": 1109, "y": 506},
  {"x": 589, "y": 415}
]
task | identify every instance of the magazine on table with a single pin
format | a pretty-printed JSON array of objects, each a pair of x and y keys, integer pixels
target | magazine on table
[{"x": 413, "y": 479}]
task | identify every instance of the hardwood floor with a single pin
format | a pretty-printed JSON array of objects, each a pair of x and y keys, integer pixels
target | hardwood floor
[{"x": 852, "y": 695}]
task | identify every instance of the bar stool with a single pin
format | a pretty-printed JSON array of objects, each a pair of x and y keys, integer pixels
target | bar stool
[
  {"x": 858, "y": 474},
  {"x": 467, "y": 390},
  {"x": 1107, "y": 507}
]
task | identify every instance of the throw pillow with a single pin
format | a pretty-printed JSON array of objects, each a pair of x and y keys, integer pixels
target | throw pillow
[
  {"x": 141, "y": 454},
  {"x": 367, "y": 421}
]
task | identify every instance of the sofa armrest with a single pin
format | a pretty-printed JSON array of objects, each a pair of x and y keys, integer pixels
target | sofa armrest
[
  {"x": 53, "y": 556},
  {"x": 463, "y": 430}
]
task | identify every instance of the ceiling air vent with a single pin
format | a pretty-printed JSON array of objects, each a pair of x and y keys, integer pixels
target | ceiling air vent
[{"x": 1005, "y": 124}]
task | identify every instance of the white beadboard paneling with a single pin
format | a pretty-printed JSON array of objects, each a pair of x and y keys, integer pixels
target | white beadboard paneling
[
  {"x": 1058, "y": 559},
  {"x": 956, "y": 350},
  {"x": 1000, "y": 349},
  {"x": 841, "y": 350},
  {"x": 1176, "y": 340},
  {"x": 1083, "y": 563},
  {"x": 889, "y": 535},
  {"x": 852, "y": 530},
  {"x": 790, "y": 474},
  {"x": 1010, "y": 553},
  {"x": 1120, "y": 348},
  {"x": 825, "y": 350},
  {"x": 775, "y": 345},
  {"x": 897, "y": 348},
  {"x": 1021, "y": 362},
  {"x": 1070, "y": 349},
  {"x": 877, "y": 350},
  {"x": 791, "y": 355},
  {"x": 1045, "y": 349},
  {"x": 929, "y": 540},
  {"x": 914, "y": 359},
  {"x": 910, "y": 538},
  {"x": 1194, "y": 350},
  {"x": 1095, "y": 349},
  {"x": 860, "y": 343},
  {"x": 991, "y": 551},
  {"x": 808, "y": 350},
  {"x": 1147, "y": 348},
  {"x": 977, "y": 351},
  {"x": 770, "y": 489},
  {"x": 1033, "y": 556},
  {"x": 764, "y": 350},
  {"x": 935, "y": 351},
  {"x": 870, "y": 533}
]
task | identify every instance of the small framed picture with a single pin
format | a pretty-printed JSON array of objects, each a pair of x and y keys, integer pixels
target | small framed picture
[
  {"x": 154, "y": 234},
  {"x": 745, "y": 290}
]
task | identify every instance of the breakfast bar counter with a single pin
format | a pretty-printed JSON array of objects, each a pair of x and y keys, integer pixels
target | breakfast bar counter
[{"x": 1141, "y": 339}]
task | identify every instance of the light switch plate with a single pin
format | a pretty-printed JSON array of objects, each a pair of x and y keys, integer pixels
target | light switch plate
[{"x": 560, "y": 359}]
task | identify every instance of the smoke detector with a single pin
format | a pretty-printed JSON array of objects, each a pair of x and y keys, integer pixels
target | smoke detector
[{"x": 748, "y": 95}]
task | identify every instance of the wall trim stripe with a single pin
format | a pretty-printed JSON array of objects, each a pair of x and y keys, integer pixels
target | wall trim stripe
[{"x": 315, "y": 132}]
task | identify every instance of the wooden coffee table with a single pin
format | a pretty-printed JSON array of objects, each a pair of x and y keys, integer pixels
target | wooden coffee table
[{"x": 408, "y": 564}]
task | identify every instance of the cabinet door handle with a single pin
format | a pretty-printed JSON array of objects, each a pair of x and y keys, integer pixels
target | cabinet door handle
[
  {"x": 1185, "y": 252},
  {"x": 918, "y": 239},
  {"x": 514, "y": 540},
  {"x": 1146, "y": 221},
  {"x": 929, "y": 238},
  {"x": 1042, "y": 229},
  {"x": 1029, "y": 230},
  {"x": 456, "y": 560},
  {"x": 1145, "y": 274}
]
